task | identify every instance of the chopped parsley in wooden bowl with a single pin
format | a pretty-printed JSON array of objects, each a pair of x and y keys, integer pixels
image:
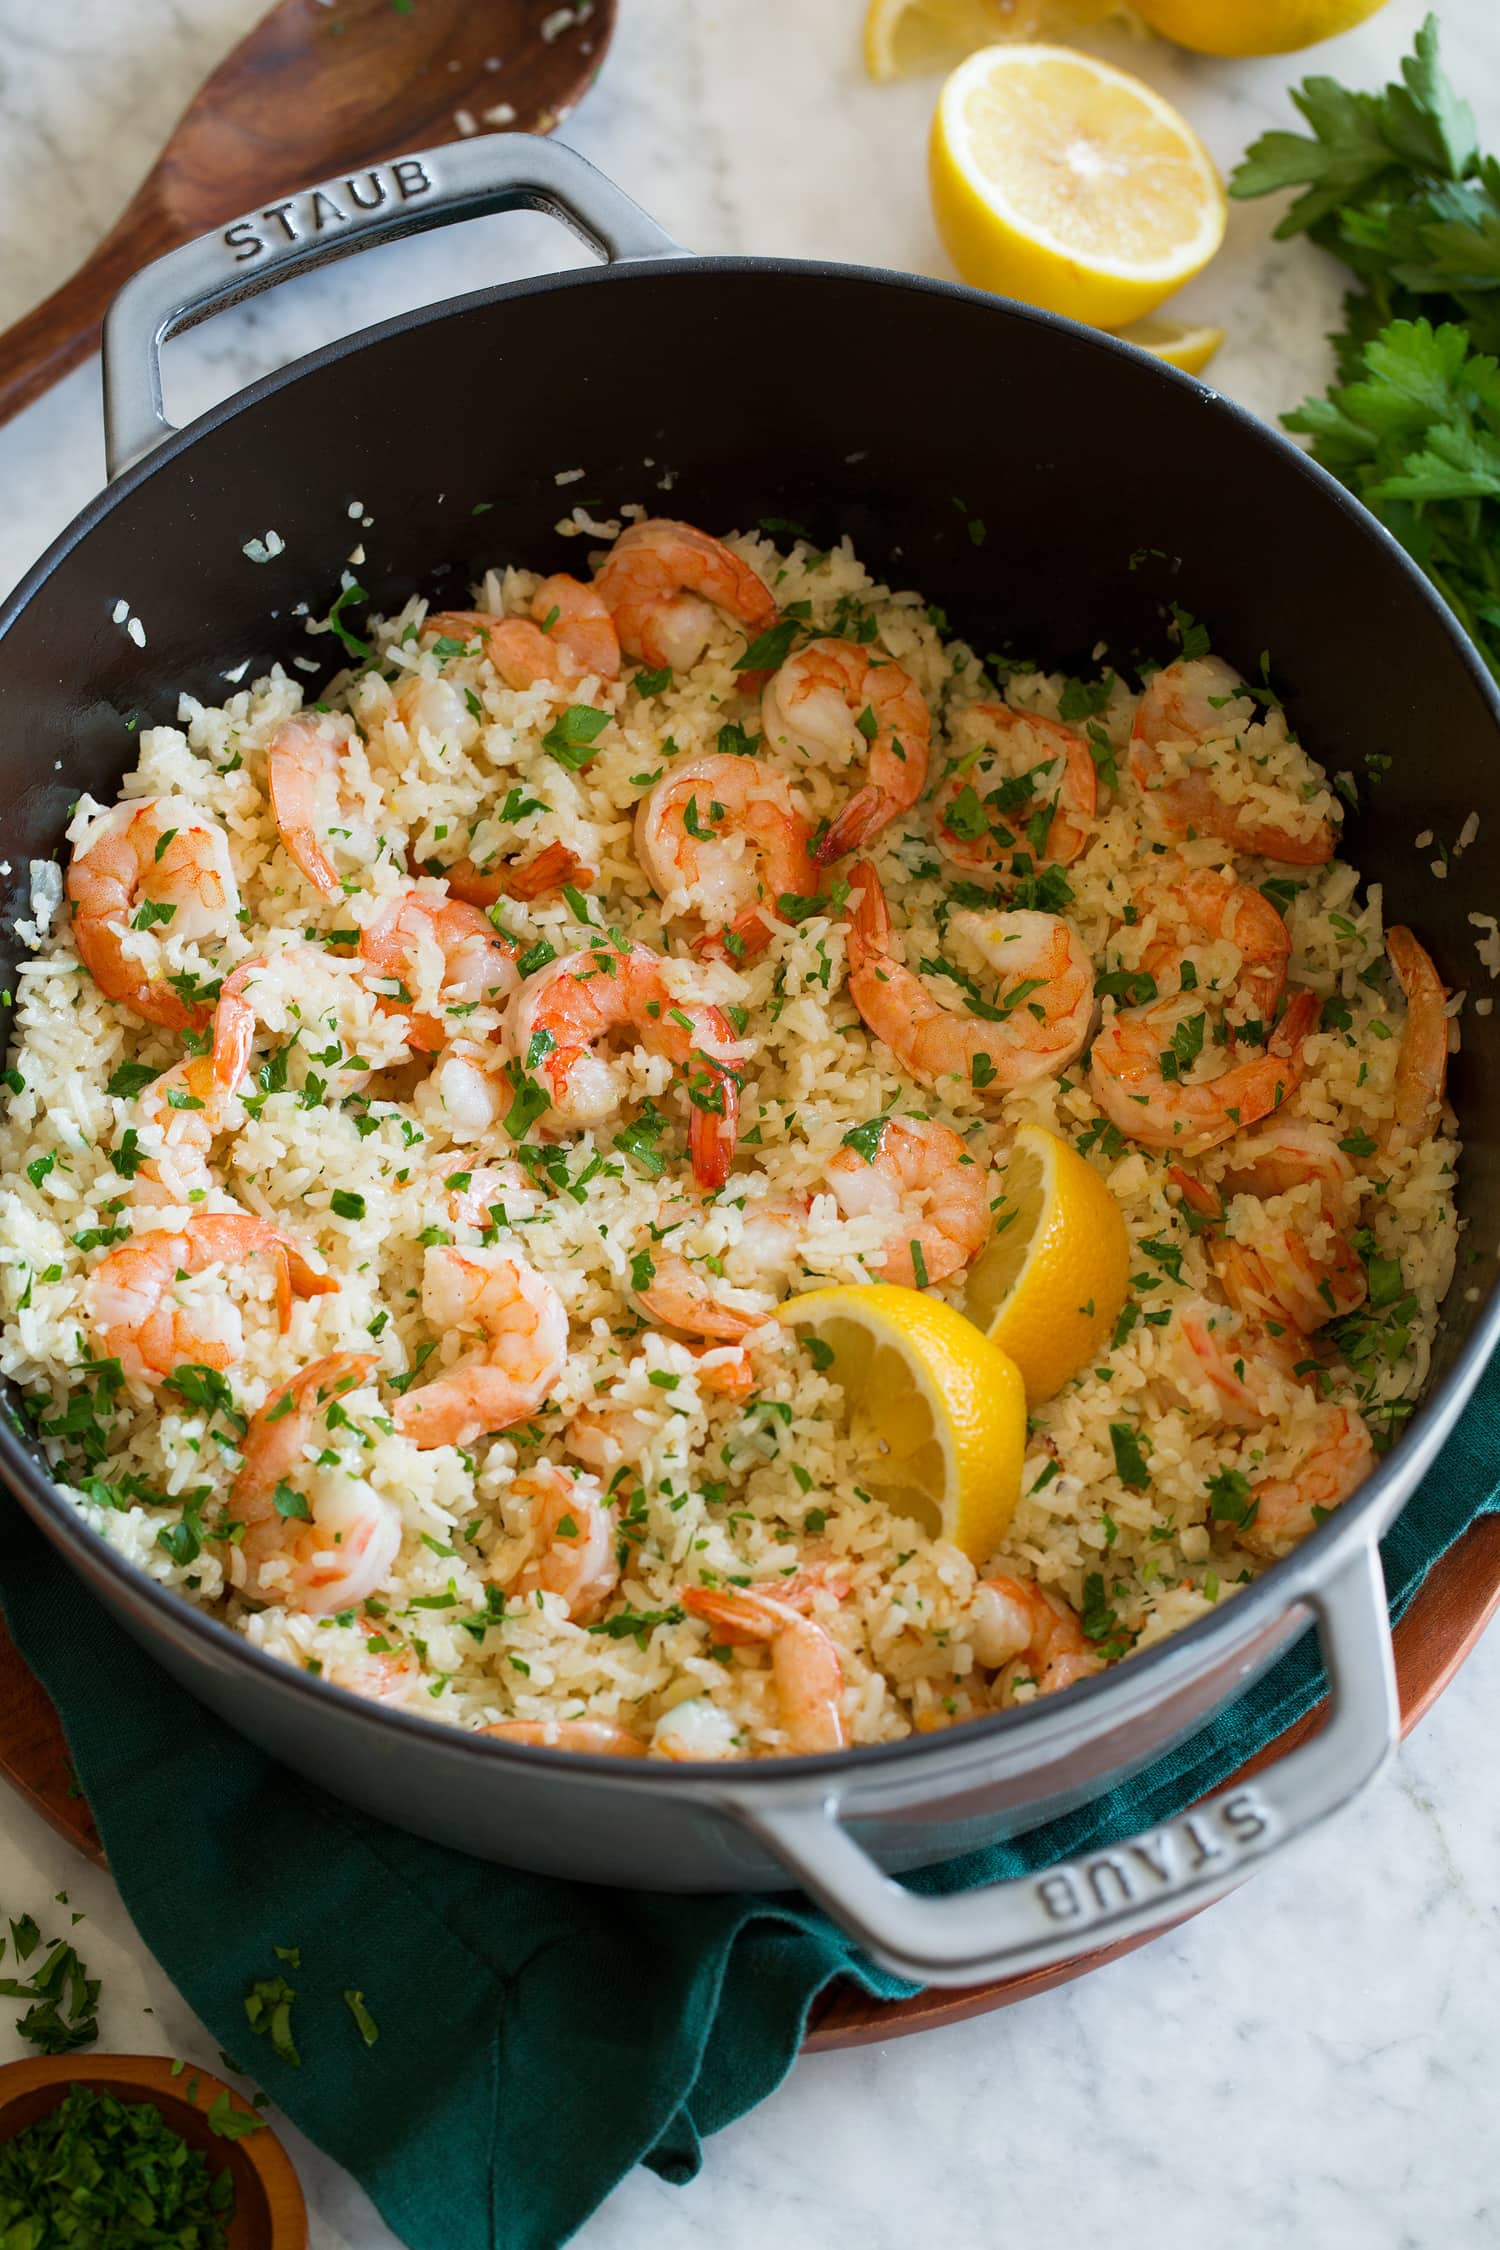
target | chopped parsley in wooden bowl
[{"x": 129, "y": 2149}]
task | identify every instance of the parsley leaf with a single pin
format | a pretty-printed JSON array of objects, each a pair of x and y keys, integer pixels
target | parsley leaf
[{"x": 573, "y": 734}]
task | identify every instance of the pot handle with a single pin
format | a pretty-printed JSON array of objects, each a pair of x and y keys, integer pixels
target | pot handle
[
  {"x": 466, "y": 180},
  {"x": 1133, "y": 1888}
]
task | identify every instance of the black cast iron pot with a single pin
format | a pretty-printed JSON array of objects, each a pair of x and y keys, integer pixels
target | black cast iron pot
[{"x": 907, "y": 414}]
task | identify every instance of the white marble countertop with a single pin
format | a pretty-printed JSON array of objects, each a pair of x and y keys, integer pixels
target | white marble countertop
[{"x": 1309, "y": 2064}]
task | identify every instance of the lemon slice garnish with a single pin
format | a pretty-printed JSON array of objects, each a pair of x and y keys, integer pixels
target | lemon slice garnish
[
  {"x": 1191, "y": 349},
  {"x": 1049, "y": 1287},
  {"x": 935, "y": 1414},
  {"x": 1253, "y": 27},
  {"x": 904, "y": 38},
  {"x": 1058, "y": 179}
]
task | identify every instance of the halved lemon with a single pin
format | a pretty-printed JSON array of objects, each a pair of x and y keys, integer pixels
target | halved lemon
[
  {"x": 1191, "y": 349},
  {"x": 935, "y": 1413},
  {"x": 1067, "y": 183},
  {"x": 1049, "y": 1288},
  {"x": 1253, "y": 27},
  {"x": 904, "y": 38}
]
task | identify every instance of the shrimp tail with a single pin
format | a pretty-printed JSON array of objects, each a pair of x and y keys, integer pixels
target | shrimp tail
[
  {"x": 714, "y": 1127},
  {"x": 866, "y": 813}
]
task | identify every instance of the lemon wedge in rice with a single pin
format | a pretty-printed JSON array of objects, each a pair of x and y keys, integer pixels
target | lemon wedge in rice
[
  {"x": 1049, "y": 1287},
  {"x": 1063, "y": 181},
  {"x": 935, "y": 1414}
]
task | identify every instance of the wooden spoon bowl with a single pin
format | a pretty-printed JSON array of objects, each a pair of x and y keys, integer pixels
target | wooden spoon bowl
[
  {"x": 269, "y": 2212},
  {"x": 313, "y": 91}
]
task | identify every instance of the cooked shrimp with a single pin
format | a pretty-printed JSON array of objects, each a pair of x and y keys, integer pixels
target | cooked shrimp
[
  {"x": 724, "y": 1372},
  {"x": 475, "y": 1196},
  {"x": 151, "y": 863},
  {"x": 177, "y": 1120},
  {"x": 547, "y": 870},
  {"x": 273, "y": 1444},
  {"x": 575, "y": 1535},
  {"x": 182, "y": 1112},
  {"x": 569, "y": 637},
  {"x": 433, "y": 708},
  {"x": 303, "y": 768},
  {"x": 1422, "y": 1064},
  {"x": 1028, "y": 1635},
  {"x": 1133, "y": 1057},
  {"x": 430, "y": 944},
  {"x": 672, "y": 1290},
  {"x": 595, "y": 1737},
  {"x": 524, "y": 1330},
  {"x": 805, "y": 1668},
  {"x": 695, "y": 1730},
  {"x": 725, "y": 838},
  {"x": 1284, "y": 1510},
  {"x": 137, "y": 1318},
  {"x": 923, "y": 1182},
  {"x": 662, "y": 582},
  {"x": 610, "y": 1435},
  {"x": 381, "y": 1675},
  {"x": 1290, "y": 1152},
  {"x": 676, "y": 1297},
  {"x": 834, "y": 699},
  {"x": 1227, "y": 1367},
  {"x": 466, "y": 1093},
  {"x": 564, "y": 1013},
  {"x": 1309, "y": 1272},
  {"x": 1178, "y": 711},
  {"x": 1241, "y": 1373},
  {"x": 1215, "y": 907},
  {"x": 345, "y": 1547},
  {"x": 1012, "y": 767},
  {"x": 1034, "y": 1028}
]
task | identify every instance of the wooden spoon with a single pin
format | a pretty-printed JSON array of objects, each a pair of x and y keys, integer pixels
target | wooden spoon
[
  {"x": 269, "y": 2211},
  {"x": 317, "y": 88}
]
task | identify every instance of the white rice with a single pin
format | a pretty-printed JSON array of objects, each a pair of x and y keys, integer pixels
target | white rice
[{"x": 721, "y": 1491}]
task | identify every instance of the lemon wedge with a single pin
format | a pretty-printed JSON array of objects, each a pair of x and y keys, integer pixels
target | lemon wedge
[
  {"x": 904, "y": 38},
  {"x": 1253, "y": 27},
  {"x": 935, "y": 1413},
  {"x": 1058, "y": 179},
  {"x": 1049, "y": 1288},
  {"x": 1191, "y": 349}
]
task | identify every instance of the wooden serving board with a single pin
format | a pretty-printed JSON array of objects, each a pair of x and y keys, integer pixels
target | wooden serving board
[{"x": 1461, "y": 1595}]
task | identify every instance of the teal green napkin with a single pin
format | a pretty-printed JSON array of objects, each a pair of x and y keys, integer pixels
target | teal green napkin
[{"x": 536, "y": 2039}]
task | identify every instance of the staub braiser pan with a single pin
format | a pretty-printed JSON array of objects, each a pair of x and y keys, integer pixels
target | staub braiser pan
[{"x": 901, "y": 412}]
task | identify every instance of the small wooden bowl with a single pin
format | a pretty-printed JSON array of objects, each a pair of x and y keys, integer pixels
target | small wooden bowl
[{"x": 269, "y": 2212}]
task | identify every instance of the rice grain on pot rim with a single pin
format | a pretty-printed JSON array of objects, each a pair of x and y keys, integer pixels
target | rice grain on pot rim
[{"x": 715, "y": 1460}]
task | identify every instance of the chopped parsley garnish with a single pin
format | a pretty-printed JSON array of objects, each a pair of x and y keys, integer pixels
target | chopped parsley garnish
[
  {"x": 1229, "y": 1498},
  {"x": 1085, "y": 699},
  {"x": 268, "y": 2009},
  {"x": 351, "y": 640},
  {"x": 97, "y": 2170},
  {"x": 129, "y": 1079},
  {"x": 572, "y": 737},
  {"x": 62, "y": 2016},
  {"x": 865, "y": 1139},
  {"x": 770, "y": 650},
  {"x": 531, "y": 1102},
  {"x": 1130, "y": 1449}
]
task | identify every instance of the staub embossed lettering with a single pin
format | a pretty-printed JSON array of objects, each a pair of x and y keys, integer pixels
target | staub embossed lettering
[
  {"x": 323, "y": 209},
  {"x": 1157, "y": 1865}
]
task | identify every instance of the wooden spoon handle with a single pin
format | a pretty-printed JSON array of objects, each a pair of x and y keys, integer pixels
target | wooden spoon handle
[{"x": 64, "y": 328}]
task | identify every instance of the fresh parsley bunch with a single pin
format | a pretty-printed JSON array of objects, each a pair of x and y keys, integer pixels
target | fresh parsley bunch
[{"x": 1395, "y": 185}]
